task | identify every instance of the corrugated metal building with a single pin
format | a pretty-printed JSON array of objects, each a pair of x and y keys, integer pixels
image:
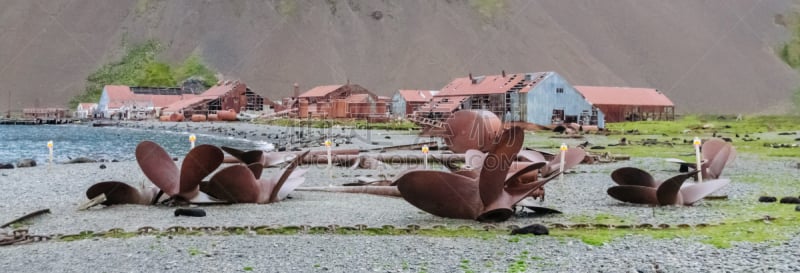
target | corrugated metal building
[
  {"x": 542, "y": 98},
  {"x": 225, "y": 95},
  {"x": 116, "y": 99},
  {"x": 405, "y": 102},
  {"x": 629, "y": 104},
  {"x": 340, "y": 101}
]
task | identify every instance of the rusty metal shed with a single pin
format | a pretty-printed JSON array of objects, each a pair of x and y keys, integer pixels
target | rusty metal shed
[
  {"x": 629, "y": 104},
  {"x": 340, "y": 101}
]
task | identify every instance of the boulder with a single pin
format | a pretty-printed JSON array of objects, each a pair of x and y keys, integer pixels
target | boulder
[
  {"x": 24, "y": 163},
  {"x": 535, "y": 229},
  {"x": 81, "y": 160},
  {"x": 790, "y": 200},
  {"x": 767, "y": 199},
  {"x": 6, "y": 166}
]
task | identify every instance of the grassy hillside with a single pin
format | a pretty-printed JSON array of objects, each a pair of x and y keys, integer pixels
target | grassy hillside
[{"x": 708, "y": 56}]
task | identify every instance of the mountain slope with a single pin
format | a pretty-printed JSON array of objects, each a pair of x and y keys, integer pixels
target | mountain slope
[{"x": 713, "y": 56}]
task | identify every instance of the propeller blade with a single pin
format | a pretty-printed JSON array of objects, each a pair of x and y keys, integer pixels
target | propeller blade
[
  {"x": 694, "y": 192},
  {"x": 248, "y": 157},
  {"x": 714, "y": 169},
  {"x": 441, "y": 194},
  {"x": 158, "y": 167},
  {"x": 274, "y": 159},
  {"x": 235, "y": 184},
  {"x": 273, "y": 197},
  {"x": 520, "y": 173},
  {"x": 290, "y": 185},
  {"x": 532, "y": 156},
  {"x": 495, "y": 166},
  {"x": 668, "y": 193},
  {"x": 119, "y": 193},
  {"x": 257, "y": 169},
  {"x": 634, "y": 194},
  {"x": 633, "y": 176},
  {"x": 711, "y": 147},
  {"x": 199, "y": 163}
]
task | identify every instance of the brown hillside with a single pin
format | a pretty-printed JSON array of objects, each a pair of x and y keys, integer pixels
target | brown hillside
[{"x": 708, "y": 56}]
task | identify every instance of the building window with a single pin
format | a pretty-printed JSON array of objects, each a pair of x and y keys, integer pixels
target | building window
[{"x": 559, "y": 90}]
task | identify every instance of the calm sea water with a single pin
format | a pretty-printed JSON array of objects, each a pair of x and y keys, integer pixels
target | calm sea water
[{"x": 73, "y": 141}]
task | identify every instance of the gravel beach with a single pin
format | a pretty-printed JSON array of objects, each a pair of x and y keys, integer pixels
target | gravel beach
[{"x": 580, "y": 196}]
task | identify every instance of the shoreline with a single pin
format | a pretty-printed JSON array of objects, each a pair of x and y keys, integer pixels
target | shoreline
[{"x": 580, "y": 196}]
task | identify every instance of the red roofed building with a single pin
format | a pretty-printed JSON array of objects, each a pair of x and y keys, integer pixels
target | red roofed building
[
  {"x": 225, "y": 95},
  {"x": 123, "y": 102},
  {"x": 405, "y": 102},
  {"x": 85, "y": 110},
  {"x": 149, "y": 102},
  {"x": 340, "y": 101},
  {"x": 629, "y": 104}
]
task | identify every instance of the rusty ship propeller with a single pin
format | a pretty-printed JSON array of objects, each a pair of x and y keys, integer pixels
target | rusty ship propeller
[{"x": 639, "y": 187}]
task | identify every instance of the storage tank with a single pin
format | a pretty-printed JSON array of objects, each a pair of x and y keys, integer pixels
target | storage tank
[
  {"x": 302, "y": 108},
  {"x": 176, "y": 117},
  {"x": 226, "y": 115},
  {"x": 198, "y": 117}
]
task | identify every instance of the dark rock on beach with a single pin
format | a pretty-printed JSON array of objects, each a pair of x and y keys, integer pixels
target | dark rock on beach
[
  {"x": 767, "y": 199},
  {"x": 25, "y": 163},
  {"x": 6, "y": 166},
  {"x": 535, "y": 229},
  {"x": 790, "y": 200},
  {"x": 81, "y": 160}
]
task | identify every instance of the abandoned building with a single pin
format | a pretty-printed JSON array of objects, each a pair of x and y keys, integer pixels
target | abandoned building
[
  {"x": 85, "y": 110},
  {"x": 225, "y": 95},
  {"x": 47, "y": 114},
  {"x": 541, "y": 98},
  {"x": 629, "y": 104},
  {"x": 341, "y": 101},
  {"x": 406, "y": 102},
  {"x": 125, "y": 102}
]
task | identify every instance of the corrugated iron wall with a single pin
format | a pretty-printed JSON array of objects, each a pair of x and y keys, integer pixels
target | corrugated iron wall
[
  {"x": 545, "y": 97},
  {"x": 620, "y": 113}
]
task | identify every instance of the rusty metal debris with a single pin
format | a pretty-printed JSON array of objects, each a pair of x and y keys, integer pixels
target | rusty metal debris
[
  {"x": 242, "y": 184},
  {"x": 638, "y": 186},
  {"x": 488, "y": 196},
  {"x": 715, "y": 153},
  {"x": 257, "y": 156},
  {"x": 572, "y": 158},
  {"x": 465, "y": 129},
  {"x": 472, "y": 129},
  {"x": 20, "y": 236},
  {"x": 232, "y": 184},
  {"x": 25, "y": 217}
]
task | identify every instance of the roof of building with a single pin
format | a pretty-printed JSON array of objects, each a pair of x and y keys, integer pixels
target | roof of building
[
  {"x": 87, "y": 104},
  {"x": 603, "y": 95},
  {"x": 182, "y": 104},
  {"x": 417, "y": 95},
  {"x": 446, "y": 104},
  {"x": 220, "y": 89},
  {"x": 492, "y": 84},
  {"x": 119, "y": 95},
  {"x": 160, "y": 90},
  {"x": 357, "y": 98},
  {"x": 320, "y": 91}
]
